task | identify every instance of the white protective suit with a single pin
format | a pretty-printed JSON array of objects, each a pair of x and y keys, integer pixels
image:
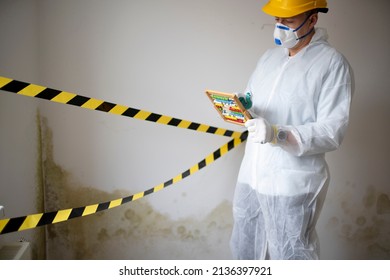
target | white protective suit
[{"x": 281, "y": 188}]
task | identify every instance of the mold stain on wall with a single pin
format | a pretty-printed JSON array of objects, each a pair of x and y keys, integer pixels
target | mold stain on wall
[
  {"x": 38, "y": 241},
  {"x": 132, "y": 231},
  {"x": 366, "y": 225}
]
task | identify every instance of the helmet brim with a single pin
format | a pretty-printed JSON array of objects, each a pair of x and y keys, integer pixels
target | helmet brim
[{"x": 288, "y": 13}]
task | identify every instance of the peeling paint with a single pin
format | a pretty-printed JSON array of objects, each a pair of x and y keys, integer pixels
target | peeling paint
[{"x": 131, "y": 231}]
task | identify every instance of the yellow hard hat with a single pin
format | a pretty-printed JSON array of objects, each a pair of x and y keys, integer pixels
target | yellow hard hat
[{"x": 291, "y": 8}]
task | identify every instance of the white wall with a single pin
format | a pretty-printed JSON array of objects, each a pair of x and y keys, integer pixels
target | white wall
[
  {"x": 356, "y": 220},
  {"x": 160, "y": 56},
  {"x": 20, "y": 169}
]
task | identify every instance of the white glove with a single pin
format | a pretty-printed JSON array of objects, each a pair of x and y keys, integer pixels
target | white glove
[{"x": 260, "y": 131}]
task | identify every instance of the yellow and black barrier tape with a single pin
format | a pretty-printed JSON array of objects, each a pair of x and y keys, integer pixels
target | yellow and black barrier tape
[
  {"x": 37, "y": 220},
  {"x": 54, "y": 95}
]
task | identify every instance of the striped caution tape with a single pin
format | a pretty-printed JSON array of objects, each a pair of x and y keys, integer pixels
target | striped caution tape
[
  {"x": 32, "y": 90},
  {"x": 37, "y": 220}
]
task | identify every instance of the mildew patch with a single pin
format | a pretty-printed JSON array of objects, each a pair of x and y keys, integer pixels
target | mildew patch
[
  {"x": 132, "y": 231},
  {"x": 361, "y": 220},
  {"x": 367, "y": 225},
  {"x": 369, "y": 198},
  {"x": 383, "y": 204},
  {"x": 38, "y": 236}
]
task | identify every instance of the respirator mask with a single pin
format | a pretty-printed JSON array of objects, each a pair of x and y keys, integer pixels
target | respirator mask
[{"x": 287, "y": 37}]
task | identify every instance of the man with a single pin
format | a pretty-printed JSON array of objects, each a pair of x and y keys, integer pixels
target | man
[{"x": 301, "y": 94}]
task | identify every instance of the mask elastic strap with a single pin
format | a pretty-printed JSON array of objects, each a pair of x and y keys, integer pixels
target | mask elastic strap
[
  {"x": 307, "y": 34},
  {"x": 299, "y": 27}
]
